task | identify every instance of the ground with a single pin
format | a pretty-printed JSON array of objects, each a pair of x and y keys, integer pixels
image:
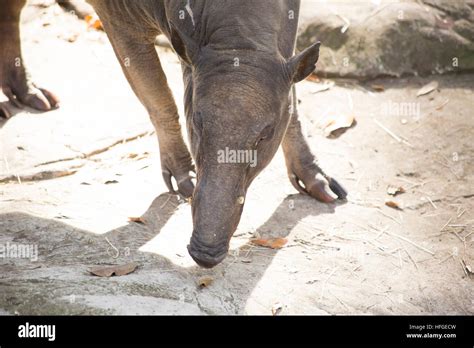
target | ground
[{"x": 70, "y": 180}]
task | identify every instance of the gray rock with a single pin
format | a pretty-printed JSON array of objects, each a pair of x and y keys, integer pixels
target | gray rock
[{"x": 369, "y": 40}]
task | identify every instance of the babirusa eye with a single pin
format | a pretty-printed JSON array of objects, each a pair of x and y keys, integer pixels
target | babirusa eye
[{"x": 266, "y": 133}]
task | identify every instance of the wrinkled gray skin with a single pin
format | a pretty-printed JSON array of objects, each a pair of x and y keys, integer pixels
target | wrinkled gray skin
[{"x": 246, "y": 106}]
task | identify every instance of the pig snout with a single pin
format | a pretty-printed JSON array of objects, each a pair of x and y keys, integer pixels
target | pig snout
[{"x": 205, "y": 254}]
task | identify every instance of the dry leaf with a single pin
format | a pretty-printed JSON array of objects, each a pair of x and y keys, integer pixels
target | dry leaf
[
  {"x": 246, "y": 260},
  {"x": 93, "y": 22},
  {"x": 137, "y": 220},
  {"x": 108, "y": 182},
  {"x": 118, "y": 270},
  {"x": 204, "y": 282},
  {"x": 428, "y": 88},
  {"x": 393, "y": 204},
  {"x": 378, "y": 88},
  {"x": 394, "y": 190},
  {"x": 332, "y": 124},
  {"x": 276, "y": 309},
  {"x": 273, "y": 243},
  {"x": 313, "y": 78}
]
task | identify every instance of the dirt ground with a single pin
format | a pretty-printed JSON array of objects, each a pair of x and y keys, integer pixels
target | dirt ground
[{"x": 71, "y": 178}]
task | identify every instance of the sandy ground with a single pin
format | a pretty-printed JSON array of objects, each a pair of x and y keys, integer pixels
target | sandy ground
[{"x": 354, "y": 257}]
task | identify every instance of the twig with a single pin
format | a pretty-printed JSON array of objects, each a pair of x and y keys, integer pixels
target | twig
[
  {"x": 358, "y": 180},
  {"x": 391, "y": 217},
  {"x": 455, "y": 174},
  {"x": 166, "y": 202},
  {"x": 464, "y": 268},
  {"x": 459, "y": 237},
  {"x": 446, "y": 259},
  {"x": 411, "y": 242},
  {"x": 98, "y": 151},
  {"x": 325, "y": 281},
  {"x": 439, "y": 107},
  {"x": 443, "y": 164},
  {"x": 411, "y": 182},
  {"x": 409, "y": 256},
  {"x": 392, "y": 134},
  {"x": 116, "y": 250},
  {"x": 337, "y": 298},
  {"x": 429, "y": 200},
  {"x": 347, "y": 23},
  {"x": 381, "y": 233},
  {"x": 446, "y": 224}
]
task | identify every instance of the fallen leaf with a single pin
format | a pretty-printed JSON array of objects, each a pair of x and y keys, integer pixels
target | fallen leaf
[
  {"x": 393, "y": 204},
  {"x": 118, "y": 270},
  {"x": 245, "y": 260},
  {"x": 276, "y": 309},
  {"x": 137, "y": 220},
  {"x": 378, "y": 88},
  {"x": 428, "y": 88},
  {"x": 93, "y": 21},
  {"x": 313, "y": 78},
  {"x": 395, "y": 190},
  {"x": 335, "y": 123},
  {"x": 132, "y": 155},
  {"x": 273, "y": 243},
  {"x": 204, "y": 282},
  {"x": 108, "y": 182}
]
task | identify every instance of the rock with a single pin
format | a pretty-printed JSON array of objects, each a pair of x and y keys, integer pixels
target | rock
[{"x": 369, "y": 40}]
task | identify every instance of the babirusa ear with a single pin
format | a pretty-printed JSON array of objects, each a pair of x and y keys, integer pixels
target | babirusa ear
[
  {"x": 304, "y": 63},
  {"x": 183, "y": 46}
]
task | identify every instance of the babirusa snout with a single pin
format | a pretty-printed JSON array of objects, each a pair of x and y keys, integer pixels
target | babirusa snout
[{"x": 217, "y": 205}]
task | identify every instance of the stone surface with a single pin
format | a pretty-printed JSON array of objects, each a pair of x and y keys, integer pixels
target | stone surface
[
  {"x": 369, "y": 39},
  {"x": 340, "y": 258}
]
